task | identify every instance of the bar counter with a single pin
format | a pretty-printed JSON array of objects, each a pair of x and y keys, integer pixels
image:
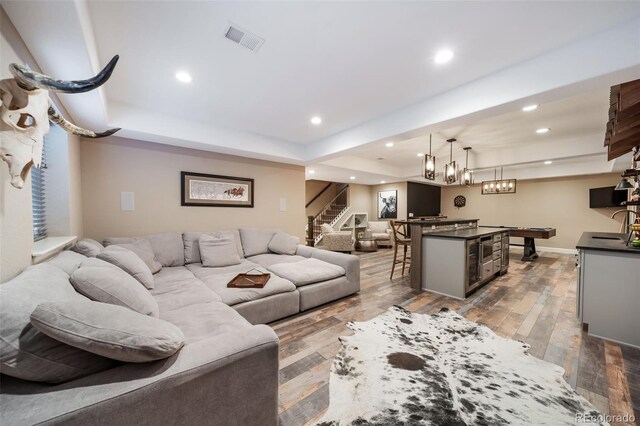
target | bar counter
[{"x": 417, "y": 228}]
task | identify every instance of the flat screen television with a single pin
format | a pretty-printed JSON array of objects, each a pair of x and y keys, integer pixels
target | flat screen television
[{"x": 606, "y": 197}]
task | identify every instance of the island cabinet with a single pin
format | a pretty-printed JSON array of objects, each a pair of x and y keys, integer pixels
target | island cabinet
[
  {"x": 455, "y": 263},
  {"x": 608, "y": 287}
]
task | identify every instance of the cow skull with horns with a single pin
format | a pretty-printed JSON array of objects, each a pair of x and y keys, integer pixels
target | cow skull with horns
[{"x": 25, "y": 112}]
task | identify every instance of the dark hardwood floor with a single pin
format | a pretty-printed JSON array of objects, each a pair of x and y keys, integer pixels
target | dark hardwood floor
[{"x": 534, "y": 302}]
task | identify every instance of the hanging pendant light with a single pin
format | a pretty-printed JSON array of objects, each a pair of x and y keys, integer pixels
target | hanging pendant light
[
  {"x": 623, "y": 185},
  {"x": 429, "y": 164},
  {"x": 450, "y": 169},
  {"x": 499, "y": 186},
  {"x": 466, "y": 178}
]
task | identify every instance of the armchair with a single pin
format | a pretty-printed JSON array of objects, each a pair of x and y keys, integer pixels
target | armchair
[
  {"x": 336, "y": 240},
  {"x": 381, "y": 232}
]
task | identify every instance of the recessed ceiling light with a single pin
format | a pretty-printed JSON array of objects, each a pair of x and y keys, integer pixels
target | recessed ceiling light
[
  {"x": 444, "y": 55},
  {"x": 311, "y": 172},
  {"x": 388, "y": 144},
  {"x": 383, "y": 181},
  {"x": 420, "y": 154},
  {"x": 183, "y": 77},
  {"x": 316, "y": 120},
  {"x": 352, "y": 177},
  {"x": 548, "y": 162},
  {"x": 542, "y": 130},
  {"x": 530, "y": 108}
]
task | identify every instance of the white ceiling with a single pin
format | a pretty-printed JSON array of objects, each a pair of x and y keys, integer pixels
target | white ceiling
[{"x": 365, "y": 67}]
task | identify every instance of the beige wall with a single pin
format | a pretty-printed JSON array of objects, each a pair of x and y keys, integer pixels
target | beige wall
[
  {"x": 313, "y": 188},
  {"x": 556, "y": 203},
  {"x": 65, "y": 215},
  {"x": 152, "y": 172},
  {"x": 401, "y": 187},
  {"x": 16, "y": 232}
]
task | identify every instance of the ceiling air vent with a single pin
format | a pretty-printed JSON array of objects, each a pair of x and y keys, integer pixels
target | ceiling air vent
[{"x": 243, "y": 38}]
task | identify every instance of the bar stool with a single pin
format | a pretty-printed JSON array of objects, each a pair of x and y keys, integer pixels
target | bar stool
[{"x": 400, "y": 238}]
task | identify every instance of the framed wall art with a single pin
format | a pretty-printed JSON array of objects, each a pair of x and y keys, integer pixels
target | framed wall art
[
  {"x": 388, "y": 204},
  {"x": 203, "y": 190}
]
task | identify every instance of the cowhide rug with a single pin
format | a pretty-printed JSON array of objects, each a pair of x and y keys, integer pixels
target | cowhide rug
[{"x": 402, "y": 368}]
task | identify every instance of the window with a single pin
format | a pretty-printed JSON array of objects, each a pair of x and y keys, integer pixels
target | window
[{"x": 38, "y": 205}]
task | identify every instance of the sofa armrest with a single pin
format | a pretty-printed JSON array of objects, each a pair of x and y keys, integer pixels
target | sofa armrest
[{"x": 211, "y": 376}]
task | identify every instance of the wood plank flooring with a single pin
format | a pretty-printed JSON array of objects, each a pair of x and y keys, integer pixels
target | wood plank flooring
[{"x": 534, "y": 302}]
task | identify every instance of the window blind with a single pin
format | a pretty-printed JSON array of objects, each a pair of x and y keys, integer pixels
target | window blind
[{"x": 38, "y": 204}]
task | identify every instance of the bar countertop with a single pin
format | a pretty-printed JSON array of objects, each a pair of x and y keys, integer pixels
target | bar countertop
[
  {"x": 436, "y": 221},
  {"x": 465, "y": 234},
  {"x": 606, "y": 241}
]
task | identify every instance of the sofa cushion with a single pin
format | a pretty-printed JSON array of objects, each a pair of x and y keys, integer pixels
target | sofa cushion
[
  {"x": 256, "y": 241},
  {"x": 325, "y": 228},
  {"x": 68, "y": 261},
  {"x": 378, "y": 226},
  {"x": 171, "y": 274},
  {"x": 144, "y": 251},
  {"x": 192, "y": 248},
  {"x": 25, "y": 352},
  {"x": 307, "y": 271},
  {"x": 172, "y": 295},
  {"x": 103, "y": 282},
  {"x": 218, "y": 251},
  {"x": 168, "y": 247},
  {"x": 282, "y": 243},
  {"x": 205, "y": 320},
  {"x": 88, "y": 247},
  {"x": 129, "y": 262},
  {"x": 108, "y": 330},
  {"x": 268, "y": 259},
  {"x": 380, "y": 236},
  {"x": 216, "y": 279}
]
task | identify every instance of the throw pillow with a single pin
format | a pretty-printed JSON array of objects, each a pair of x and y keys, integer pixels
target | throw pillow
[
  {"x": 218, "y": 251},
  {"x": 103, "y": 282},
  {"x": 88, "y": 247},
  {"x": 108, "y": 330},
  {"x": 144, "y": 251},
  {"x": 256, "y": 241},
  {"x": 282, "y": 243},
  {"x": 129, "y": 262},
  {"x": 25, "y": 352},
  {"x": 325, "y": 228}
]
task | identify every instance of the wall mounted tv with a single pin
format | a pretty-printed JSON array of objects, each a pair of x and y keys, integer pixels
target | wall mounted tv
[{"x": 606, "y": 197}]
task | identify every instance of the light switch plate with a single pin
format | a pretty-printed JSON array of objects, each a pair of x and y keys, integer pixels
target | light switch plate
[
  {"x": 283, "y": 204},
  {"x": 126, "y": 201}
]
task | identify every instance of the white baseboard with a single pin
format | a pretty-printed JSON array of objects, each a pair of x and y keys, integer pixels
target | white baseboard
[{"x": 549, "y": 249}]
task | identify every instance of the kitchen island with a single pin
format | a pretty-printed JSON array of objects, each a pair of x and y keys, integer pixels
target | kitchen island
[
  {"x": 457, "y": 262},
  {"x": 420, "y": 227},
  {"x": 608, "y": 288}
]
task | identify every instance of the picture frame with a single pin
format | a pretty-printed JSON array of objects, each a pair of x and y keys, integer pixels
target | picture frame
[
  {"x": 205, "y": 190},
  {"x": 388, "y": 204}
]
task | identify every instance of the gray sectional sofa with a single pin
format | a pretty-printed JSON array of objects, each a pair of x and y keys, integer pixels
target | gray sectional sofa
[{"x": 227, "y": 371}]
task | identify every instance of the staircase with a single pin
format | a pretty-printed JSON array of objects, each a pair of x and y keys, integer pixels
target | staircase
[{"x": 331, "y": 214}]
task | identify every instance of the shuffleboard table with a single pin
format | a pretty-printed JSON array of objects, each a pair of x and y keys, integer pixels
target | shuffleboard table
[{"x": 529, "y": 235}]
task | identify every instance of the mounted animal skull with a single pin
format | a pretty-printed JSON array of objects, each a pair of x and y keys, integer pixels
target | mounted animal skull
[{"x": 25, "y": 112}]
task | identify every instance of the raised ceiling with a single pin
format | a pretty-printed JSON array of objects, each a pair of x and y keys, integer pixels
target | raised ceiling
[{"x": 365, "y": 67}]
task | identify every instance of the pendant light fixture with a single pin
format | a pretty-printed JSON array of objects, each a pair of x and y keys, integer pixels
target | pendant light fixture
[
  {"x": 466, "y": 177},
  {"x": 429, "y": 164},
  {"x": 499, "y": 186},
  {"x": 450, "y": 169}
]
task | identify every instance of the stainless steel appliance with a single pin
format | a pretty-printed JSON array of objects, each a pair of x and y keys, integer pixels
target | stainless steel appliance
[
  {"x": 487, "y": 256},
  {"x": 505, "y": 253},
  {"x": 473, "y": 274}
]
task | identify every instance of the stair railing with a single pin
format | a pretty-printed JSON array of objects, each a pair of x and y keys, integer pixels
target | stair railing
[{"x": 330, "y": 214}]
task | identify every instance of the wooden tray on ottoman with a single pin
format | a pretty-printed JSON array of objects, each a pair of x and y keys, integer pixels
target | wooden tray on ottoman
[{"x": 249, "y": 281}]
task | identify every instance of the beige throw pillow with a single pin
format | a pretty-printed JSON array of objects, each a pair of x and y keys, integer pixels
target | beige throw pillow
[
  {"x": 129, "y": 262},
  {"x": 108, "y": 330},
  {"x": 145, "y": 252},
  {"x": 282, "y": 243},
  {"x": 88, "y": 247},
  {"x": 218, "y": 251},
  {"x": 103, "y": 282}
]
